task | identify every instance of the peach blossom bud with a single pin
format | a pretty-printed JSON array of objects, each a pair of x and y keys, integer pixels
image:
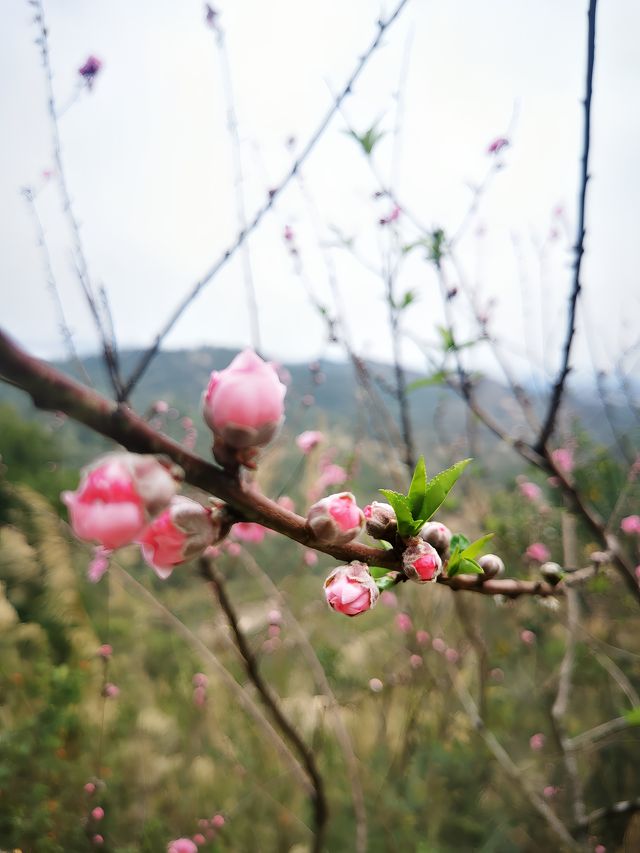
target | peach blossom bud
[
  {"x": 89, "y": 788},
  {"x": 217, "y": 821},
  {"x": 538, "y": 552},
  {"x": 527, "y": 637},
  {"x": 89, "y": 69},
  {"x": 99, "y": 564},
  {"x": 563, "y": 459},
  {"x": 550, "y": 791},
  {"x": 491, "y": 565},
  {"x": 199, "y": 680},
  {"x": 182, "y": 845},
  {"x": 415, "y": 661},
  {"x": 200, "y": 697},
  {"x": 104, "y": 651},
  {"x": 286, "y": 503},
  {"x": 439, "y": 645},
  {"x": 97, "y": 813},
  {"x": 249, "y": 531},
  {"x": 309, "y": 439},
  {"x": 388, "y": 598},
  {"x": 181, "y": 532},
  {"x": 199, "y": 839},
  {"x": 110, "y": 691},
  {"x": 551, "y": 572},
  {"x": 452, "y": 655},
  {"x": 351, "y": 589},
  {"x": 497, "y": 145},
  {"x": 336, "y": 519},
  {"x": 600, "y": 848},
  {"x": 536, "y": 742},
  {"x": 403, "y": 622},
  {"x": 274, "y": 617},
  {"x": 630, "y": 524},
  {"x": 420, "y": 561},
  {"x": 244, "y": 403},
  {"x": 310, "y": 558},
  {"x": 422, "y": 637},
  {"x": 381, "y": 520},
  {"x": 274, "y": 631},
  {"x": 438, "y": 535},
  {"x": 530, "y": 491},
  {"x": 116, "y": 495},
  {"x": 375, "y": 685},
  {"x": 97, "y": 840},
  {"x": 234, "y": 549}
]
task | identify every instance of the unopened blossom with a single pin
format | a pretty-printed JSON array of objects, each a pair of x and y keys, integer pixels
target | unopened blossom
[
  {"x": 438, "y": 535},
  {"x": 116, "y": 496},
  {"x": 491, "y": 565},
  {"x": 439, "y": 645},
  {"x": 563, "y": 459},
  {"x": 310, "y": 557},
  {"x": 380, "y": 520},
  {"x": 274, "y": 616},
  {"x": 286, "y": 502},
  {"x": 392, "y": 216},
  {"x": 420, "y": 561},
  {"x": 551, "y": 572},
  {"x": 110, "y": 691},
  {"x": 415, "y": 661},
  {"x": 99, "y": 563},
  {"x": 351, "y": 589},
  {"x": 527, "y": 637},
  {"x": 550, "y": 791},
  {"x": 199, "y": 838},
  {"x": 530, "y": 491},
  {"x": 182, "y": 845},
  {"x": 234, "y": 549},
  {"x": 89, "y": 788},
  {"x": 498, "y": 145},
  {"x": 452, "y": 655},
  {"x": 330, "y": 475},
  {"x": 497, "y": 675},
  {"x": 249, "y": 531},
  {"x": 98, "y": 840},
  {"x": 403, "y": 623},
  {"x": 389, "y": 598},
  {"x": 179, "y": 533},
  {"x": 199, "y": 680},
  {"x": 97, "y": 813},
  {"x": 218, "y": 821},
  {"x": 375, "y": 685},
  {"x": 200, "y": 696},
  {"x": 309, "y": 440},
  {"x": 630, "y": 524},
  {"x": 244, "y": 404},
  {"x": 536, "y": 742},
  {"x": 336, "y": 519},
  {"x": 104, "y": 651},
  {"x": 422, "y": 637},
  {"x": 538, "y": 551},
  {"x": 89, "y": 69}
]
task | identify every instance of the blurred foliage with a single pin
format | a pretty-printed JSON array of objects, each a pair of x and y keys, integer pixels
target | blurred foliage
[{"x": 164, "y": 763}]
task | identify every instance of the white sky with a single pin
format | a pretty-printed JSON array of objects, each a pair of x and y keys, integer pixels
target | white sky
[{"x": 149, "y": 164}]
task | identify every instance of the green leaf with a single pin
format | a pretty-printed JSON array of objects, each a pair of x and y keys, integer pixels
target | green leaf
[
  {"x": 378, "y": 572},
  {"x": 463, "y": 566},
  {"x": 384, "y": 545},
  {"x": 458, "y": 542},
  {"x": 407, "y": 299},
  {"x": 446, "y": 336},
  {"x": 438, "y": 488},
  {"x": 476, "y": 547},
  {"x": 386, "y": 582},
  {"x": 417, "y": 489},
  {"x": 367, "y": 140},
  {"x": 401, "y": 508},
  {"x": 632, "y": 716},
  {"x": 435, "y": 379}
]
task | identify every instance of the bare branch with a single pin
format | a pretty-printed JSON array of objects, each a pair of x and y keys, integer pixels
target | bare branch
[
  {"x": 558, "y": 388},
  {"x": 621, "y": 808}
]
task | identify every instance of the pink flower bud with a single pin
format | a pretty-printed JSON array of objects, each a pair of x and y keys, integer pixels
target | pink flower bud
[
  {"x": 110, "y": 691},
  {"x": 497, "y": 675},
  {"x": 199, "y": 838},
  {"x": 309, "y": 439},
  {"x": 182, "y": 845},
  {"x": 497, "y": 145},
  {"x": 97, "y": 813},
  {"x": 181, "y": 532},
  {"x": 274, "y": 631},
  {"x": 104, "y": 651},
  {"x": 351, "y": 589},
  {"x": 217, "y": 821},
  {"x": 563, "y": 459},
  {"x": 310, "y": 558},
  {"x": 422, "y": 637},
  {"x": 536, "y": 742},
  {"x": 336, "y": 519},
  {"x": 286, "y": 503},
  {"x": 630, "y": 524},
  {"x": 249, "y": 531},
  {"x": 439, "y": 645},
  {"x": 234, "y": 549},
  {"x": 421, "y": 562},
  {"x": 438, "y": 535},
  {"x": 600, "y": 848},
  {"x": 491, "y": 565},
  {"x": 415, "y": 661},
  {"x": 380, "y": 520},
  {"x": 244, "y": 403},
  {"x": 116, "y": 495},
  {"x": 99, "y": 564},
  {"x": 274, "y": 617},
  {"x": 375, "y": 685},
  {"x": 403, "y": 622},
  {"x": 388, "y": 598},
  {"x": 89, "y": 788},
  {"x": 538, "y": 552},
  {"x": 527, "y": 637},
  {"x": 530, "y": 491},
  {"x": 199, "y": 680},
  {"x": 200, "y": 697},
  {"x": 550, "y": 791},
  {"x": 452, "y": 655},
  {"x": 98, "y": 840},
  {"x": 90, "y": 69}
]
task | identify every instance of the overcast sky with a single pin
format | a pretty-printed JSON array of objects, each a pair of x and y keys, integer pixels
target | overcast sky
[{"x": 150, "y": 166}]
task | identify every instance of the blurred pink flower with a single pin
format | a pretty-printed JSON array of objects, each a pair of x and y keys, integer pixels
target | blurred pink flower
[
  {"x": 89, "y": 69},
  {"x": 218, "y": 821},
  {"x": 248, "y": 531},
  {"x": 538, "y": 551},
  {"x": 110, "y": 691},
  {"x": 90, "y": 788},
  {"x": 99, "y": 564},
  {"x": 497, "y": 675},
  {"x": 97, "y": 840},
  {"x": 439, "y": 645},
  {"x": 182, "y": 845},
  {"x": 415, "y": 661},
  {"x": 308, "y": 440},
  {"x": 286, "y": 503},
  {"x": 452, "y": 655},
  {"x": 550, "y": 791},
  {"x": 403, "y": 622},
  {"x": 563, "y": 459},
  {"x": 234, "y": 549},
  {"x": 199, "y": 680},
  {"x": 375, "y": 685},
  {"x": 388, "y": 598},
  {"x": 97, "y": 813},
  {"x": 199, "y": 838},
  {"x": 104, "y": 651},
  {"x": 530, "y": 491},
  {"x": 310, "y": 557},
  {"x": 422, "y": 637},
  {"x": 536, "y": 742},
  {"x": 200, "y": 696},
  {"x": 630, "y": 524},
  {"x": 527, "y": 637},
  {"x": 351, "y": 590},
  {"x": 275, "y": 617},
  {"x": 497, "y": 145}
]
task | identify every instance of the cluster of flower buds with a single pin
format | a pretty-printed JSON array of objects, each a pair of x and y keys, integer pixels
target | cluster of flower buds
[
  {"x": 126, "y": 498},
  {"x": 336, "y": 519},
  {"x": 244, "y": 407}
]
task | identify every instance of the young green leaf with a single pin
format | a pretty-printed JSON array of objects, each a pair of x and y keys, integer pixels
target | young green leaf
[
  {"x": 463, "y": 566},
  {"x": 458, "y": 543},
  {"x": 435, "y": 379},
  {"x": 401, "y": 508},
  {"x": 471, "y": 551},
  {"x": 378, "y": 572},
  {"x": 417, "y": 488},
  {"x": 386, "y": 582},
  {"x": 438, "y": 488}
]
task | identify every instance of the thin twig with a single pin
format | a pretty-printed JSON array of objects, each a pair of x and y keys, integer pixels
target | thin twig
[
  {"x": 624, "y": 807},
  {"x": 270, "y": 701},
  {"x": 559, "y": 385},
  {"x": 145, "y": 360}
]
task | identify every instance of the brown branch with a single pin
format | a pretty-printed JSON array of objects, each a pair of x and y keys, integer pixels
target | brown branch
[
  {"x": 559, "y": 385},
  {"x": 270, "y": 701},
  {"x": 383, "y": 26},
  {"x": 52, "y": 390}
]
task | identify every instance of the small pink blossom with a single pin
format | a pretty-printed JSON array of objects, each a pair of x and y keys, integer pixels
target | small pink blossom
[
  {"x": 537, "y": 741},
  {"x": 421, "y": 562},
  {"x": 600, "y": 848},
  {"x": 182, "y": 845},
  {"x": 403, "y": 623},
  {"x": 452, "y": 655},
  {"x": 538, "y": 551},
  {"x": 415, "y": 661},
  {"x": 336, "y": 519},
  {"x": 199, "y": 839},
  {"x": 331, "y": 475},
  {"x": 375, "y": 685},
  {"x": 110, "y": 691},
  {"x": 217, "y": 821},
  {"x": 234, "y": 549},
  {"x": 630, "y": 524},
  {"x": 392, "y": 216},
  {"x": 563, "y": 459},
  {"x": 161, "y": 407},
  {"x": 439, "y": 645},
  {"x": 380, "y": 520},
  {"x": 274, "y": 616},
  {"x": 99, "y": 564},
  {"x": 527, "y": 637},
  {"x": 244, "y": 403},
  {"x": 89, "y": 69},
  {"x": 200, "y": 696},
  {"x": 310, "y": 558},
  {"x": 199, "y": 680},
  {"x": 550, "y": 791},
  {"x": 274, "y": 631},
  {"x": 530, "y": 491},
  {"x": 97, "y": 813},
  {"x": 422, "y": 637},
  {"x": 89, "y": 788},
  {"x": 286, "y": 503},
  {"x": 498, "y": 145},
  {"x": 104, "y": 651},
  {"x": 388, "y": 598},
  {"x": 97, "y": 840},
  {"x": 248, "y": 531},
  {"x": 351, "y": 589},
  {"x": 308, "y": 440}
]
